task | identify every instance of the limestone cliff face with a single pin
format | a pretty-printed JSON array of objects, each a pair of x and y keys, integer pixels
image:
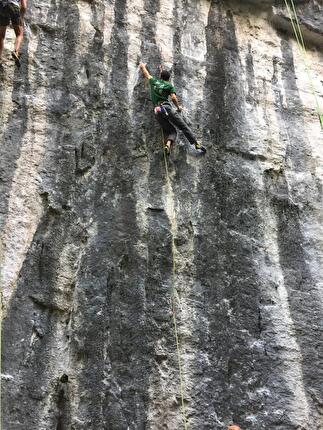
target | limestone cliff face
[{"x": 90, "y": 225}]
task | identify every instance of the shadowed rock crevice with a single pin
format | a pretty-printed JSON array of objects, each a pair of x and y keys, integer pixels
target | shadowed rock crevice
[
  {"x": 63, "y": 419},
  {"x": 230, "y": 299},
  {"x": 13, "y": 131}
]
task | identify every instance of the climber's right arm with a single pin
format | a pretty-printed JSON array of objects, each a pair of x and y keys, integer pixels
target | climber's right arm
[
  {"x": 176, "y": 102},
  {"x": 145, "y": 71}
]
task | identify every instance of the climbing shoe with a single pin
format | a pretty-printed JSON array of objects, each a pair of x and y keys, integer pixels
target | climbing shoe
[
  {"x": 200, "y": 148},
  {"x": 167, "y": 150},
  {"x": 16, "y": 56}
]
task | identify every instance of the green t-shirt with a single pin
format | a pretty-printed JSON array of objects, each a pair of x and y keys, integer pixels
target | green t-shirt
[{"x": 160, "y": 90}]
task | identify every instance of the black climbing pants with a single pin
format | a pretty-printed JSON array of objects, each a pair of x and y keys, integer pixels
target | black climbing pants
[{"x": 170, "y": 121}]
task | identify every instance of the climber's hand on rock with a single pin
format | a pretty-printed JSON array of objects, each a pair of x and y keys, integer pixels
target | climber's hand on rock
[{"x": 145, "y": 71}]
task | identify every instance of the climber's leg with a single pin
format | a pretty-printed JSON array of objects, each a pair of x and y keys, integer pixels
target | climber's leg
[
  {"x": 2, "y": 37},
  {"x": 19, "y": 30},
  {"x": 18, "y": 27},
  {"x": 176, "y": 119},
  {"x": 4, "y": 22},
  {"x": 169, "y": 130}
]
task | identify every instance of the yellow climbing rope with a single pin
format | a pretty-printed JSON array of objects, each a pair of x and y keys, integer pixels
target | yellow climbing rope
[
  {"x": 301, "y": 45},
  {"x": 173, "y": 304},
  {"x": 0, "y": 358}
]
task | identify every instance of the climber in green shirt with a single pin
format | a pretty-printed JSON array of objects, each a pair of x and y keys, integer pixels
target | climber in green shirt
[
  {"x": 169, "y": 118},
  {"x": 160, "y": 89},
  {"x": 12, "y": 11}
]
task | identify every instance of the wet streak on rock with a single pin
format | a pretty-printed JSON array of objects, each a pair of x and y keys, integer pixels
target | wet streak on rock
[
  {"x": 224, "y": 253},
  {"x": 88, "y": 145},
  {"x": 14, "y": 132},
  {"x": 216, "y": 80},
  {"x": 179, "y": 58},
  {"x": 287, "y": 200},
  {"x": 40, "y": 306},
  {"x": 304, "y": 304},
  {"x": 251, "y": 97},
  {"x": 58, "y": 171},
  {"x": 184, "y": 74},
  {"x": 181, "y": 171},
  {"x": 109, "y": 346},
  {"x": 298, "y": 151},
  {"x": 224, "y": 96},
  {"x": 183, "y": 71}
]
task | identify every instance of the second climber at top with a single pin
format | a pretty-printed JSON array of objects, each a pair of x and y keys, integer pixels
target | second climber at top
[
  {"x": 12, "y": 11},
  {"x": 168, "y": 117}
]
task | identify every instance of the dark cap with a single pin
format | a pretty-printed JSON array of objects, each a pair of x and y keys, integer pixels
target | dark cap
[{"x": 165, "y": 75}]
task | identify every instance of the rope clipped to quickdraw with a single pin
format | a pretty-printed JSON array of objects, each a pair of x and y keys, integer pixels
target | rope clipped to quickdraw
[
  {"x": 173, "y": 304},
  {"x": 301, "y": 45}
]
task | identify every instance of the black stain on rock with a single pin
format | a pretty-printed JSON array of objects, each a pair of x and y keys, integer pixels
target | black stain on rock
[
  {"x": 227, "y": 278},
  {"x": 293, "y": 209},
  {"x": 38, "y": 293},
  {"x": 14, "y": 130},
  {"x": 63, "y": 404}
]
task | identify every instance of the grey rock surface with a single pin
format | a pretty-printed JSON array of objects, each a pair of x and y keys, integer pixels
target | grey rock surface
[
  {"x": 310, "y": 19},
  {"x": 92, "y": 227}
]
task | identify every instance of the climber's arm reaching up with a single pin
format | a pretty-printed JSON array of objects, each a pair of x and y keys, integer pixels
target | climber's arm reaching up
[{"x": 145, "y": 71}]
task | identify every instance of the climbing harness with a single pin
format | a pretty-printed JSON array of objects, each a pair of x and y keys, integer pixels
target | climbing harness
[
  {"x": 160, "y": 110},
  {"x": 301, "y": 45},
  {"x": 173, "y": 305}
]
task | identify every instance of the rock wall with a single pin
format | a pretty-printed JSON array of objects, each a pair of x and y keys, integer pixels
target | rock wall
[{"x": 92, "y": 228}]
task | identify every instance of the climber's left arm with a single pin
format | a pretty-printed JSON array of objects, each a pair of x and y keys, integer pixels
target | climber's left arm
[{"x": 145, "y": 71}]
